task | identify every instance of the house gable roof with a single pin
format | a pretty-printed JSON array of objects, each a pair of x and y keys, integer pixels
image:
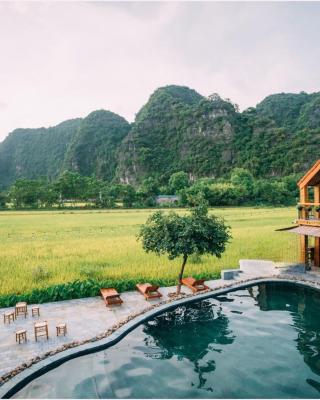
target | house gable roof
[{"x": 312, "y": 177}]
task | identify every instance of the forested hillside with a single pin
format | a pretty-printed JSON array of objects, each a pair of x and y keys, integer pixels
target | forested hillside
[
  {"x": 94, "y": 148},
  {"x": 32, "y": 153},
  {"x": 280, "y": 136},
  {"x": 88, "y": 146},
  {"x": 177, "y": 130}
]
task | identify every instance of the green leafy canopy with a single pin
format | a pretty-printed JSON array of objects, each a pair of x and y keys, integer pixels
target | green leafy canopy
[{"x": 176, "y": 235}]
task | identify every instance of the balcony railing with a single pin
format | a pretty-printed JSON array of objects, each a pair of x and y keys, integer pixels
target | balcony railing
[{"x": 309, "y": 214}]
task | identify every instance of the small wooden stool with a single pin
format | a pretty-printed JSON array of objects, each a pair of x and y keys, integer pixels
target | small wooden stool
[
  {"x": 21, "y": 336},
  {"x": 61, "y": 329},
  {"x": 35, "y": 311},
  {"x": 8, "y": 317},
  {"x": 21, "y": 309},
  {"x": 41, "y": 329}
]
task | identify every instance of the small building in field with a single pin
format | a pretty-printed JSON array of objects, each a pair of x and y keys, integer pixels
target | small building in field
[
  {"x": 308, "y": 221},
  {"x": 167, "y": 198}
]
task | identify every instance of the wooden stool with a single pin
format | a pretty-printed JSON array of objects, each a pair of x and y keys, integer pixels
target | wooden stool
[
  {"x": 21, "y": 336},
  {"x": 41, "y": 329},
  {"x": 35, "y": 311},
  {"x": 21, "y": 309},
  {"x": 61, "y": 329},
  {"x": 8, "y": 317}
]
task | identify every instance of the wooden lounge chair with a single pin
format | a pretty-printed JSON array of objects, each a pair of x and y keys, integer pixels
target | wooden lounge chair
[
  {"x": 149, "y": 291},
  {"x": 196, "y": 285},
  {"x": 110, "y": 296}
]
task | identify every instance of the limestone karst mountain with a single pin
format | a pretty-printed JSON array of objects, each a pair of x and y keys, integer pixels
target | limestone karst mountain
[{"x": 177, "y": 129}]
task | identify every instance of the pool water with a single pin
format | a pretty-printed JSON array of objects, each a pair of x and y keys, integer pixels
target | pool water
[{"x": 260, "y": 342}]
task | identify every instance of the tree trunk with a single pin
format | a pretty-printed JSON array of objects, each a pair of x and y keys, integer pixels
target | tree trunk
[{"x": 185, "y": 257}]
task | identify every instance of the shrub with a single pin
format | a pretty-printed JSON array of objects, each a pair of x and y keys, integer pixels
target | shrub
[{"x": 79, "y": 289}]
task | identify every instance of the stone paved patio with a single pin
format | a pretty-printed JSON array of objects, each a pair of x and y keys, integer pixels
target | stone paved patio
[{"x": 89, "y": 317}]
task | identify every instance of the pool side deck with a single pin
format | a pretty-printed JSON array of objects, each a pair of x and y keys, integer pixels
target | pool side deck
[{"x": 89, "y": 317}]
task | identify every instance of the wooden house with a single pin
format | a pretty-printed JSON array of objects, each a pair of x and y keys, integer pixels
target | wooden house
[{"x": 308, "y": 222}]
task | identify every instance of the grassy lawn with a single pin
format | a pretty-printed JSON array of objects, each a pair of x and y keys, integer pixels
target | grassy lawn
[{"x": 71, "y": 245}]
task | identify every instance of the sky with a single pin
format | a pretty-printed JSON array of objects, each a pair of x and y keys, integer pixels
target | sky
[{"x": 62, "y": 60}]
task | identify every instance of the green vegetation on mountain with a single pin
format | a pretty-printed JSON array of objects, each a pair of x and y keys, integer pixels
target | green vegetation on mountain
[
  {"x": 280, "y": 137},
  {"x": 177, "y": 130},
  {"x": 94, "y": 148},
  {"x": 210, "y": 137},
  {"x": 33, "y": 153}
]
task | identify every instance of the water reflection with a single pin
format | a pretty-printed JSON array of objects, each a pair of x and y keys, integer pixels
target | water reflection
[
  {"x": 304, "y": 305},
  {"x": 191, "y": 333}
]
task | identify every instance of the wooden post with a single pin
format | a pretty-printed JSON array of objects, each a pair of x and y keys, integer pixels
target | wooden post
[
  {"x": 304, "y": 199},
  {"x": 316, "y": 239},
  {"x": 303, "y": 249},
  {"x": 317, "y": 252},
  {"x": 317, "y": 199}
]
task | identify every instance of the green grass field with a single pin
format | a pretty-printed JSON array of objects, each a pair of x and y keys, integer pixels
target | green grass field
[{"x": 71, "y": 245}]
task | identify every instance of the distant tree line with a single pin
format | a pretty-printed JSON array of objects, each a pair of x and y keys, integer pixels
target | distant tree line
[{"x": 73, "y": 189}]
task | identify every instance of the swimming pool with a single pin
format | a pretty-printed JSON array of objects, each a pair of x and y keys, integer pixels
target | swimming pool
[{"x": 258, "y": 342}]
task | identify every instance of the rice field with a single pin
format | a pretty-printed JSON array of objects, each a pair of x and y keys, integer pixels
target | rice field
[{"x": 41, "y": 248}]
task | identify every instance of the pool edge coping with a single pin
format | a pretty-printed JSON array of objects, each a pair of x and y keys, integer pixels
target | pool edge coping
[{"x": 21, "y": 379}]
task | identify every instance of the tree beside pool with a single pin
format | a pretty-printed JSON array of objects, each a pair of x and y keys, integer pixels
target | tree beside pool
[{"x": 176, "y": 236}]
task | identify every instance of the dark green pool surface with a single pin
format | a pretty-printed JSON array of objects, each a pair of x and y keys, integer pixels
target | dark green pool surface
[{"x": 261, "y": 342}]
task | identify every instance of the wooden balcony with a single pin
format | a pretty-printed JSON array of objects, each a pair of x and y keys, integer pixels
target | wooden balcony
[
  {"x": 308, "y": 221},
  {"x": 309, "y": 214}
]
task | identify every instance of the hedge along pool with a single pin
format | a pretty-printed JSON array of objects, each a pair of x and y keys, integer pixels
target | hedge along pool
[{"x": 258, "y": 342}]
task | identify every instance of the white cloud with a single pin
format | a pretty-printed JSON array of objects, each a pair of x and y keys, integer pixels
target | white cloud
[{"x": 63, "y": 60}]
